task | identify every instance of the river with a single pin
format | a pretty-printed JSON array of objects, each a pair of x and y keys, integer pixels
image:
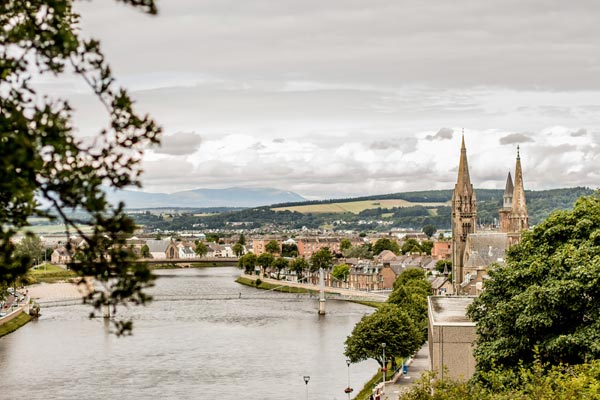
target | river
[{"x": 241, "y": 348}]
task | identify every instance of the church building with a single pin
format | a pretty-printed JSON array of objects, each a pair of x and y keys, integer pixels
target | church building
[{"x": 473, "y": 251}]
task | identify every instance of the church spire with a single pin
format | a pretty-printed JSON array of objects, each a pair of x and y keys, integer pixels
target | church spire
[
  {"x": 464, "y": 216},
  {"x": 508, "y": 192},
  {"x": 464, "y": 180},
  {"x": 519, "y": 204}
]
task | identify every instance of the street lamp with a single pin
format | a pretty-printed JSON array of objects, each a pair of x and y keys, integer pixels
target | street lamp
[
  {"x": 306, "y": 379},
  {"x": 383, "y": 369},
  {"x": 348, "y": 390}
]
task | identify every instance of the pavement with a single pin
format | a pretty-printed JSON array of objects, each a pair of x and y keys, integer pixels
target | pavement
[{"x": 419, "y": 364}]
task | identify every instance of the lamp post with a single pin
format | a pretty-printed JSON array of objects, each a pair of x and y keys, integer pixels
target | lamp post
[
  {"x": 306, "y": 379},
  {"x": 348, "y": 390},
  {"x": 383, "y": 369}
]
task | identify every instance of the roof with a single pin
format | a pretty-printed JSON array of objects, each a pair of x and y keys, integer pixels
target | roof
[
  {"x": 157, "y": 246},
  {"x": 450, "y": 310},
  {"x": 483, "y": 249},
  {"x": 438, "y": 282}
]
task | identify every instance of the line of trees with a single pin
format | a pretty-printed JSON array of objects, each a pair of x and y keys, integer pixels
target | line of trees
[{"x": 401, "y": 323}]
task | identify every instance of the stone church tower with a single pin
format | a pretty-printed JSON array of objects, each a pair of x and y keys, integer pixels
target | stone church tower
[
  {"x": 506, "y": 209},
  {"x": 464, "y": 216},
  {"x": 514, "y": 217}
]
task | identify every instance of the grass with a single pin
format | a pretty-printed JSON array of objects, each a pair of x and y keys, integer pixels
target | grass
[
  {"x": 374, "y": 304},
  {"x": 355, "y": 206},
  {"x": 368, "y": 388},
  {"x": 48, "y": 274},
  {"x": 198, "y": 264},
  {"x": 270, "y": 286},
  {"x": 14, "y": 324}
]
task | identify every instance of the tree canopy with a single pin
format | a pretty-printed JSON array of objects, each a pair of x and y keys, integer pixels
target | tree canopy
[
  {"x": 390, "y": 325},
  {"x": 321, "y": 259},
  {"x": 386, "y": 244},
  {"x": 47, "y": 171},
  {"x": 272, "y": 247},
  {"x": 546, "y": 299}
]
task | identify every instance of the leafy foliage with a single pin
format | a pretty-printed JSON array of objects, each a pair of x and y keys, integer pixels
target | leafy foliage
[
  {"x": 247, "y": 262},
  {"x": 341, "y": 272},
  {"x": 41, "y": 158},
  {"x": 201, "y": 249},
  {"x": 547, "y": 297},
  {"x": 272, "y": 247},
  {"x": 321, "y": 259},
  {"x": 539, "y": 381},
  {"x": 390, "y": 325},
  {"x": 386, "y": 244},
  {"x": 30, "y": 247}
]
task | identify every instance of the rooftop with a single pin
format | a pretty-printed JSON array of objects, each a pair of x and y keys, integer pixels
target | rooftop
[{"x": 450, "y": 310}]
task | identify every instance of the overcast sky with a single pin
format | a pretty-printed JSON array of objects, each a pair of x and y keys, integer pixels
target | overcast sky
[{"x": 347, "y": 98}]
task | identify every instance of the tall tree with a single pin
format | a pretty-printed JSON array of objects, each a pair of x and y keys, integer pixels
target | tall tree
[
  {"x": 389, "y": 325},
  {"x": 201, "y": 249},
  {"x": 341, "y": 272},
  {"x": 242, "y": 239},
  {"x": 265, "y": 260},
  {"x": 289, "y": 250},
  {"x": 429, "y": 230},
  {"x": 345, "y": 244},
  {"x": 280, "y": 263},
  {"x": 273, "y": 247},
  {"x": 145, "y": 251},
  {"x": 386, "y": 244},
  {"x": 40, "y": 157},
  {"x": 546, "y": 299},
  {"x": 411, "y": 246},
  {"x": 299, "y": 265},
  {"x": 321, "y": 259},
  {"x": 238, "y": 249},
  {"x": 32, "y": 248},
  {"x": 247, "y": 262}
]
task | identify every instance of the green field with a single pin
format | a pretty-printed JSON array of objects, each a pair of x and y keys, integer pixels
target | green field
[
  {"x": 49, "y": 273},
  {"x": 355, "y": 206}
]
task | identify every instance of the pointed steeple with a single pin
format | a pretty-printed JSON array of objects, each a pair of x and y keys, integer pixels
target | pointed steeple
[
  {"x": 508, "y": 192},
  {"x": 463, "y": 183},
  {"x": 519, "y": 205}
]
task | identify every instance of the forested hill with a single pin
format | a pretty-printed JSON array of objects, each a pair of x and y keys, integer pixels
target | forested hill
[{"x": 370, "y": 212}]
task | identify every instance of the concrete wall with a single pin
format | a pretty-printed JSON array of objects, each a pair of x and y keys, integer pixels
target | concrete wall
[{"x": 452, "y": 347}]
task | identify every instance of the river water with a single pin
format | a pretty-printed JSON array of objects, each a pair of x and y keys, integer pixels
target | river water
[{"x": 258, "y": 346}]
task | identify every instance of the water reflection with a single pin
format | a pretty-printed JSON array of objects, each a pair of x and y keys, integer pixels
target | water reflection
[{"x": 243, "y": 348}]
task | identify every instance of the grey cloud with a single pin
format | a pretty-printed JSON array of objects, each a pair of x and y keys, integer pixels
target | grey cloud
[
  {"x": 515, "y": 138},
  {"x": 579, "y": 132},
  {"x": 279, "y": 140},
  {"x": 442, "y": 134},
  {"x": 179, "y": 144}
]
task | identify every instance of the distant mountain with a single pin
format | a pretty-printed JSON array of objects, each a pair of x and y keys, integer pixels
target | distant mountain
[{"x": 201, "y": 198}]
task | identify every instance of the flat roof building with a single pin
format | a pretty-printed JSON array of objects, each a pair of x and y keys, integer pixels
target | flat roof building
[{"x": 451, "y": 337}]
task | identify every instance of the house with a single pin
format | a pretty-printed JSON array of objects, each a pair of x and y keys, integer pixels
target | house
[
  {"x": 162, "y": 249},
  {"x": 214, "y": 250},
  {"x": 60, "y": 255},
  {"x": 186, "y": 250},
  {"x": 441, "y": 286},
  {"x": 442, "y": 250},
  {"x": 310, "y": 245}
]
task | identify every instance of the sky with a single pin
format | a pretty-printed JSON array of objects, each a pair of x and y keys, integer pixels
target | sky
[{"x": 352, "y": 98}]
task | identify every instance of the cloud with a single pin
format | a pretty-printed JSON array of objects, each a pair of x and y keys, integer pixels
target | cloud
[
  {"x": 515, "y": 138},
  {"x": 442, "y": 134},
  {"x": 180, "y": 143},
  {"x": 279, "y": 140},
  {"x": 579, "y": 132}
]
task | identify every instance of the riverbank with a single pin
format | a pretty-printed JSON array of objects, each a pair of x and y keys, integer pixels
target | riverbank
[
  {"x": 14, "y": 324},
  {"x": 358, "y": 296}
]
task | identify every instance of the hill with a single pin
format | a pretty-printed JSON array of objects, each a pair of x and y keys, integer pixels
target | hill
[
  {"x": 203, "y": 198},
  {"x": 382, "y": 212}
]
